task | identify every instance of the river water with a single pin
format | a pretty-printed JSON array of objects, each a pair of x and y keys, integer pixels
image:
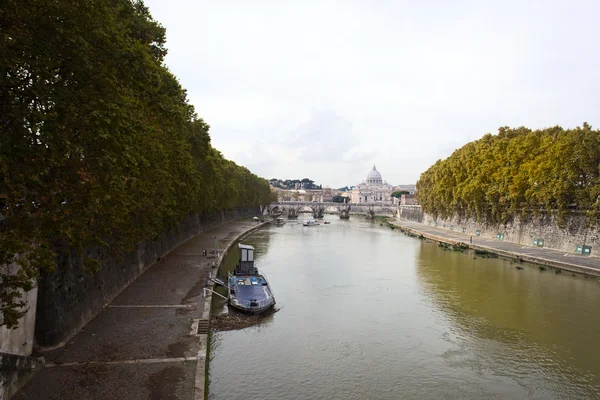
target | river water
[{"x": 369, "y": 313}]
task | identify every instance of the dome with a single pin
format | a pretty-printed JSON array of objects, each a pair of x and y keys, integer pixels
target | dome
[{"x": 374, "y": 176}]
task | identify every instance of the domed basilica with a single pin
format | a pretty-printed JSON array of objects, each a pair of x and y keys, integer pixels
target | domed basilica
[{"x": 373, "y": 190}]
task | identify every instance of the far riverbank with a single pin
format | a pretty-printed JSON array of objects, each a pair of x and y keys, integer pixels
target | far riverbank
[{"x": 586, "y": 265}]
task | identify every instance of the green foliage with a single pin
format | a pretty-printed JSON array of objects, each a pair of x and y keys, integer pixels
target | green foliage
[
  {"x": 290, "y": 184},
  {"x": 398, "y": 193},
  {"x": 339, "y": 199},
  {"x": 515, "y": 172},
  {"x": 97, "y": 138}
]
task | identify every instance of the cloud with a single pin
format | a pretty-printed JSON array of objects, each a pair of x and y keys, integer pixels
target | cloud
[
  {"x": 327, "y": 89},
  {"x": 325, "y": 136}
]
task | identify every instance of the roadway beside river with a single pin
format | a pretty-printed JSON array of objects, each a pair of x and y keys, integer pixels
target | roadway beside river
[
  {"x": 145, "y": 344},
  {"x": 554, "y": 258}
]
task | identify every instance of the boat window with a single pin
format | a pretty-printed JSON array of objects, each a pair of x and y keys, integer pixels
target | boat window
[
  {"x": 250, "y": 255},
  {"x": 244, "y": 255}
]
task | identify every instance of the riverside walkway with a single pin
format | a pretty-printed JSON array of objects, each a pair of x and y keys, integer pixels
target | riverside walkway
[
  {"x": 144, "y": 344},
  {"x": 555, "y": 258}
]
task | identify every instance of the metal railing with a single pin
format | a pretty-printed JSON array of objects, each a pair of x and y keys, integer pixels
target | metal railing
[{"x": 256, "y": 303}]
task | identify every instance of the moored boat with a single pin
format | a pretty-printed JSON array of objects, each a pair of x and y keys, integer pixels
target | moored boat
[
  {"x": 248, "y": 289},
  {"x": 310, "y": 222},
  {"x": 279, "y": 221}
]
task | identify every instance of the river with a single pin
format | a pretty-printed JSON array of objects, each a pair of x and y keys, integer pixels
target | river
[{"x": 369, "y": 313}]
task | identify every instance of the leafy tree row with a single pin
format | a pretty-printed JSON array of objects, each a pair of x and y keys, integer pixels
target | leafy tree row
[
  {"x": 398, "y": 193},
  {"x": 98, "y": 143},
  {"x": 291, "y": 183},
  {"x": 516, "y": 172}
]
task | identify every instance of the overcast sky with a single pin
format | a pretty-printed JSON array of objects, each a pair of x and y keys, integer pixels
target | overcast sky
[{"x": 325, "y": 89}]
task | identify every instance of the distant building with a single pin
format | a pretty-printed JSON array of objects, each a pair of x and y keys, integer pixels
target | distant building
[
  {"x": 328, "y": 194},
  {"x": 411, "y": 189},
  {"x": 373, "y": 190},
  {"x": 408, "y": 200}
]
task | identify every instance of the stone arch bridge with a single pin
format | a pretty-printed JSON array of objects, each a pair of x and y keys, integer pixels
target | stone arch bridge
[{"x": 318, "y": 209}]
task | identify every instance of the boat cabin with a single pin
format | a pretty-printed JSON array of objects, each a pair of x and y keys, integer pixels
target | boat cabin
[{"x": 245, "y": 265}]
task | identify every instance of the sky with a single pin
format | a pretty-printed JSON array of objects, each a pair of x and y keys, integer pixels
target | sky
[{"x": 326, "y": 89}]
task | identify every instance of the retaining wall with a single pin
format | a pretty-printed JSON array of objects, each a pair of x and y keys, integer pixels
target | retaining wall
[
  {"x": 19, "y": 341},
  {"x": 70, "y": 297},
  {"x": 522, "y": 230},
  {"x": 15, "y": 372}
]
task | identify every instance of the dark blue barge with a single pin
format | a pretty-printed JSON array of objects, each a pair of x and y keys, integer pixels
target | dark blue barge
[{"x": 248, "y": 289}]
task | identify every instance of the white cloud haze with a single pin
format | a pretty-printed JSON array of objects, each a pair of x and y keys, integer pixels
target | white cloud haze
[{"x": 326, "y": 89}]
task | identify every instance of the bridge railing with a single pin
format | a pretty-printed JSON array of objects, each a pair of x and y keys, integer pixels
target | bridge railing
[{"x": 327, "y": 204}]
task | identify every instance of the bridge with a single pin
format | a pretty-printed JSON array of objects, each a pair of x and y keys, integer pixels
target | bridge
[{"x": 318, "y": 209}]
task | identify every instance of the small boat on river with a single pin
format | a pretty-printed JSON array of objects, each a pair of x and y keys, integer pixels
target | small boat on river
[
  {"x": 279, "y": 221},
  {"x": 310, "y": 222},
  {"x": 248, "y": 289},
  {"x": 326, "y": 222}
]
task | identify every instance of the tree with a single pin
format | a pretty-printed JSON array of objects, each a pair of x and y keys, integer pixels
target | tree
[
  {"x": 339, "y": 199},
  {"x": 97, "y": 137},
  {"x": 398, "y": 193},
  {"x": 515, "y": 172}
]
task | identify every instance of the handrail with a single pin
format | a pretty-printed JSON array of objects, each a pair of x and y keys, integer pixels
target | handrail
[{"x": 257, "y": 303}]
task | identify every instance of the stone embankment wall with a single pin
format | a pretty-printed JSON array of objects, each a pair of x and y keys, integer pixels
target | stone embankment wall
[
  {"x": 16, "y": 345},
  {"x": 522, "y": 231},
  {"x": 70, "y": 297},
  {"x": 19, "y": 341},
  {"x": 15, "y": 372}
]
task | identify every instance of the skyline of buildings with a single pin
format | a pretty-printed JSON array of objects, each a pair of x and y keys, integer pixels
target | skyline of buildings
[{"x": 371, "y": 190}]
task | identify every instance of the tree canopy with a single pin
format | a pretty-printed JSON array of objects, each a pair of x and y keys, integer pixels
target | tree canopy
[
  {"x": 398, "y": 193},
  {"x": 291, "y": 183},
  {"x": 96, "y": 137},
  {"x": 515, "y": 172}
]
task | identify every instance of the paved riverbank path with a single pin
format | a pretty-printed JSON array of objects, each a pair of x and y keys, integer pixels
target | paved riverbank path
[
  {"x": 555, "y": 258},
  {"x": 142, "y": 345}
]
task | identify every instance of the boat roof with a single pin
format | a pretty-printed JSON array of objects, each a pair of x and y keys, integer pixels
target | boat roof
[{"x": 245, "y": 246}]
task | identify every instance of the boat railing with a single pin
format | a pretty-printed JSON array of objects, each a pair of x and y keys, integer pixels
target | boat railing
[{"x": 257, "y": 303}]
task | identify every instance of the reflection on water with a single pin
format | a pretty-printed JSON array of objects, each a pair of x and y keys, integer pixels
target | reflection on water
[
  {"x": 536, "y": 327},
  {"x": 367, "y": 312}
]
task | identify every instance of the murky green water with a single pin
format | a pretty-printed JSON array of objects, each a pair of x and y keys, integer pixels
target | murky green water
[{"x": 369, "y": 313}]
